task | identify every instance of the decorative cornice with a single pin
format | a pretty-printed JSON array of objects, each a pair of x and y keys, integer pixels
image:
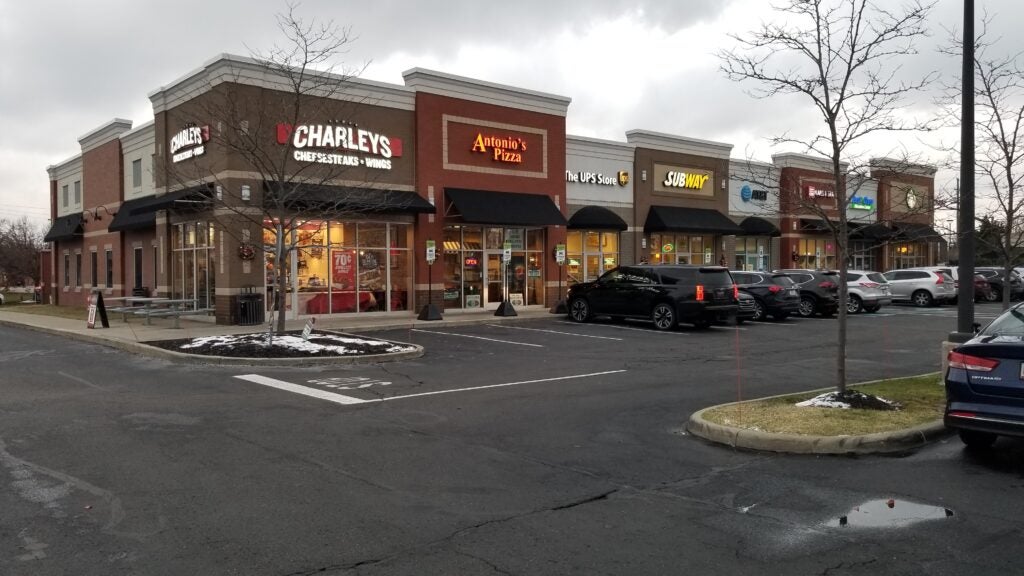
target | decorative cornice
[
  {"x": 806, "y": 162},
  {"x": 679, "y": 144},
  {"x": 105, "y": 133},
  {"x": 65, "y": 168},
  {"x": 902, "y": 168},
  {"x": 597, "y": 148},
  {"x": 452, "y": 86},
  {"x": 230, "y": 68},
  {"x": 140, "y": 133}
]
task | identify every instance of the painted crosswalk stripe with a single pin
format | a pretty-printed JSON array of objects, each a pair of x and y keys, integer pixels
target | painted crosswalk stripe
[
  {"x": 304, "y": 390},
  {"x": 648, "y": 330},
  {"x": 477, "y": 338},
  {"x": 520, "y": 383}
]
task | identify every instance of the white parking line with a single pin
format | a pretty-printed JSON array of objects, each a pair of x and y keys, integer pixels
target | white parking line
[
  {"x": 648, "y": 330},
  {"x": 477, "y": 338},
  {"x": 348, "y": 400},
  {"x": 304, "y": 390},
  {"x": 554, "y": 332},
  {"x": 573, "y": 377}
]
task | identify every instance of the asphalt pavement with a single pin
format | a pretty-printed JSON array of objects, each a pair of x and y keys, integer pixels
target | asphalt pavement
[{"x": 530, "y": 447}]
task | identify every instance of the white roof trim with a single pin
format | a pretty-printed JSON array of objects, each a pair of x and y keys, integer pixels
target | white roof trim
[
  {"x": 62, "y": 168},
  {"x": 105, "y": 133},
  {"x": 806, "y": 162},
  {"x": 902, "y": 168},
  {"x": 243, "y": 70},
  {"x": 461, "y": 87},
  {"x": 679, "y": 144}
]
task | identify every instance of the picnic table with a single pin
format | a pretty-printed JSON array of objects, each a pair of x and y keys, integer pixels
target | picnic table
[{"x": 155, "y": 306}]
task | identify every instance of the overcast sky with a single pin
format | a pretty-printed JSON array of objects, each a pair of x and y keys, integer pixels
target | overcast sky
[{"x": 70, "y": 66}]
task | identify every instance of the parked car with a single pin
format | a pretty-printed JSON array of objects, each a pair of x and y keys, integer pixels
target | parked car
[
  {"x": 995, "y": 280},
  {"x": 984, "y": 384},
  {"x": 1, "y": 298},
  {"x": 982, "y": 289},
  {"x": 921, "y": 287},
  {"x": 866, "y": 291},
  {"x": 663, "y": 294},
  {"x": 819, "y": 290},
  {"x": 747, "y": 307},
  {"x": 951, "y": 271},
  {"x": 775, "y": 295}
]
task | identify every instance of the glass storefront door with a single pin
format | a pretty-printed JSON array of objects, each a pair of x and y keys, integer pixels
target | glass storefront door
[
  {"x": 495, "y": 288},
  {"x": 475, "y": 275}
]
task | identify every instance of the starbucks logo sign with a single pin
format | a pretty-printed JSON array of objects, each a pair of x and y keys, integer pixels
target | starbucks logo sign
[{"x": 913, "y": 199}]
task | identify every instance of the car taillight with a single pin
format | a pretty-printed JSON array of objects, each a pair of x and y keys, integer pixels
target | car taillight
[
  {"x": 968, "y": 362},
  {"x": 700, "y": 293},
  {"x": 735, "y": 292},
  {"x": 961, "y": 414},
  {"x": 826, "y": 285},
  {"x": 869, "y": 285},
  {"x": 938, "y": 280},
  {"x": 775, "y": 289}
]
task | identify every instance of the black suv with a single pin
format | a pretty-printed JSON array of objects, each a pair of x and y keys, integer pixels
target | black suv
[
  {"x": 819, "y": 290},
  {"x": 774, "y": 294},
  {"x": 665, "y": 294}
]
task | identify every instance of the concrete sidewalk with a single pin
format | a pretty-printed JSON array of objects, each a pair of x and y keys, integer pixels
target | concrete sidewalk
[{"x": 135, "y": 330}]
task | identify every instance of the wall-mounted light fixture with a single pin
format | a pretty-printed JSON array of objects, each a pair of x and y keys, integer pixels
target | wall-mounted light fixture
[
  {"x": 95, "y": 212},
  {"x": 246, "y": 192},
  {"x": 643, "y": 175}
]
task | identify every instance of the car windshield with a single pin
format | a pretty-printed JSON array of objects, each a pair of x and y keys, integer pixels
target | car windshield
[
  {"x": 783, "y": 280},
  {"x": 1011, "y": 323},
  {"x": 876, "y": 277}
]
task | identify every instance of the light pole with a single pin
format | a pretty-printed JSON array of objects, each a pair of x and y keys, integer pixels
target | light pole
[{"x": 965, "y": 200}]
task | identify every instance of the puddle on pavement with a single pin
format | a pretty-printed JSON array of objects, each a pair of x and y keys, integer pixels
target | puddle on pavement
[{"x": 889, "y": 514}]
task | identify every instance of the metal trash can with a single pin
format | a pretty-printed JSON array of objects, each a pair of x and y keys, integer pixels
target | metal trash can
[{"x": 250, "y": 307}]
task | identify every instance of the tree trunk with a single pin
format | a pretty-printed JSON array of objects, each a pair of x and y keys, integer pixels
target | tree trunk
[
  {"x": 841, "y": 256},
  {"x": 281, "y": 268}
]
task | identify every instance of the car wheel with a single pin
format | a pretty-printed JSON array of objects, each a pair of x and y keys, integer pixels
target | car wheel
[
  {"x": 977, "y": 440},
  {"x": 579, "y": 310},
  {"x": 921, "y": 298},
  {"x": 854, "y": 305},
  {"x": 994, "y": 295},
  {"x": 759, "y": 312},
  {"x": 664, "y": 316},
  {"x": 807, "y": 306}
]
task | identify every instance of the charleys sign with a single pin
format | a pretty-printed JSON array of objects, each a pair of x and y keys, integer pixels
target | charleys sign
[
  {"x": 340, "y": 145},
  {"x": 693, "y": 181},
  {"x": 189, "y": 143}
]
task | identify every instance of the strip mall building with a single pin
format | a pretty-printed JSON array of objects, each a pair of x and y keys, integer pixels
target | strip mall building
[{"x": 479, "y": 170}]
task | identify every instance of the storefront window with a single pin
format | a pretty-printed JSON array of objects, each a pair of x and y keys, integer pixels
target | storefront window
[
  {"x": 816, "y": 253},
  {"x": 752, "y": 252},
  {"x": 908, "y": 254},
  {"x": 862, "y": 256},
  {"x": 681, "y": 249},
  {"x": 590, "y": 254},
  {"x": 473, "y": 254},
  {"x": 193, "y": 262}
]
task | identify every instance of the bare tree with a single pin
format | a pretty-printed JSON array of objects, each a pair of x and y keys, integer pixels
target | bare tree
[
  {"x": 261, "y": 131},
  {"x": 20, "y": 242},
  {"x": 999, "y": 143},
  {"x": 840, "y": 55}
]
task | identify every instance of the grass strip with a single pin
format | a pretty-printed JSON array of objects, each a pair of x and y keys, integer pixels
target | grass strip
[
  {"x": 922, "y": 398},
  {"x": 71, "y": 312}
]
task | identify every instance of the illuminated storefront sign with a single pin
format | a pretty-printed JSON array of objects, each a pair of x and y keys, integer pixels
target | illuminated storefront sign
[
  {"x": 748, "y": 194},
  {"x": 683, "y": 180},
  {"x": 368, "y": 149},
  {"x": 691, "y": 180},
  {"x": 816, "y": 191},
  {"x": 189, "y": 143},
  {"x": 862, "y": 203},
  {"x": 583, "y": 177},
  {"x": 507, "y": 149}
]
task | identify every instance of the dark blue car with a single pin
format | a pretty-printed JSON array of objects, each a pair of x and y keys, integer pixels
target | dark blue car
[{"x": 985, "y": 382}]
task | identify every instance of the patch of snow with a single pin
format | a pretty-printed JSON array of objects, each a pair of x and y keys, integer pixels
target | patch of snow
[
  {"x": 834, "y": 400},
  {"x": 332, "y": 343}
]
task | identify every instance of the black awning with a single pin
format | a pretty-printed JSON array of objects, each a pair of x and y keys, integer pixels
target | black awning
[
  {"x": 916, "y": 232},
  {"x": 597, "y": 218},
  {"x": 344, "y": 199},
  {"x": 811, "y": 225},
  {"x": 755, "y": 226},
  {"x": 126, "y": 219},
  {"x": 194, "y": 197},
  {"x": 877, "y": 232},
  {"x": 65, "y": 228},
  {"x": 700, "y": 220},
  {"x": 505, "y": 208}
]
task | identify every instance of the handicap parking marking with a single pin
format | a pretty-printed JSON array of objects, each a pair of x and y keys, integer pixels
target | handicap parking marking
[
  {"x": 554, "y": 332},
  {"x": 348, "y": 382},
  {"x": 349, "y": 400},
  {"x": 477, "y": 338}
]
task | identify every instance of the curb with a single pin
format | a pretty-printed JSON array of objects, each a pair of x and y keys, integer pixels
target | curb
[
  {"x": 156, "y": 352},
  {"x": 896, "y": 441}
]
